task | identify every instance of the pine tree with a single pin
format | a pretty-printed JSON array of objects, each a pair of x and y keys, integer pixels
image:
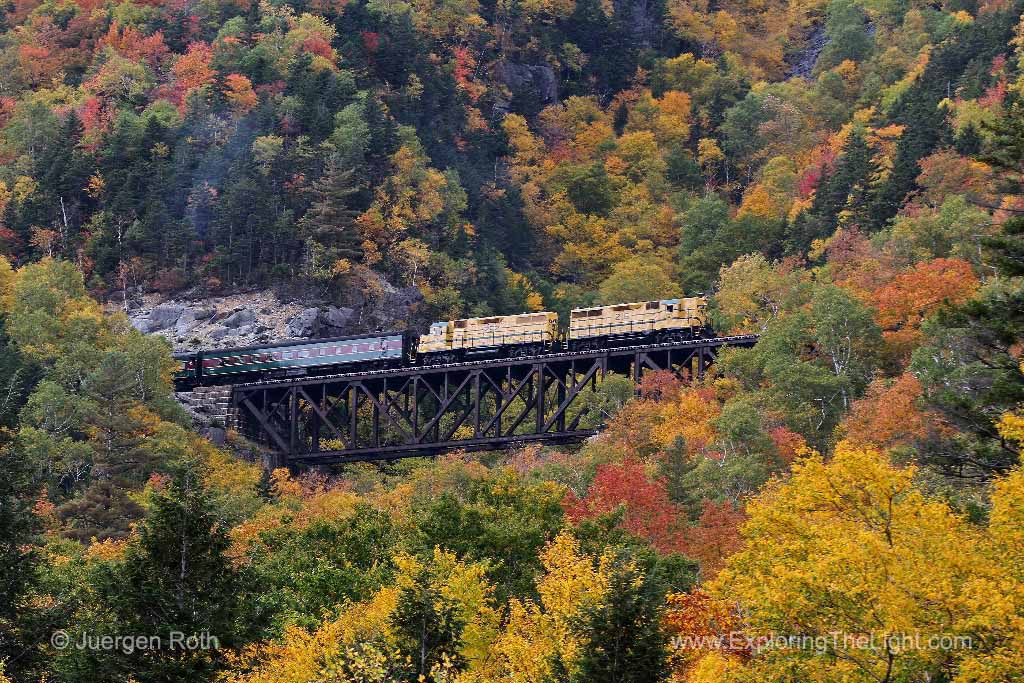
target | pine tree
[
  {"x": 677, "y": 468},
  {"x": 980, "y": 379},
  {"x": 1006, "y": 156},
  {"x": 17, "y": 527},
  {"x": 968, "y": 142},
  {"x": 844, "y": 188},
  {"x": 626, "y": 642},
  {"x": 330, "y": 221},
  {"x": 175, "y": 578}
]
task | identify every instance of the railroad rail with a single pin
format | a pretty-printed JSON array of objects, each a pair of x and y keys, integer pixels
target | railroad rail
[{"x": 470, "y": 405}]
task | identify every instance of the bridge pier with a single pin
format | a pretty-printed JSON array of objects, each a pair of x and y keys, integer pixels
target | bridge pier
[{"x": 209, "y": 406}]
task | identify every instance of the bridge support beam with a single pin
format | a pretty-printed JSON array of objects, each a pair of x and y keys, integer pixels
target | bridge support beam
[{"x": 478, "y": 405}]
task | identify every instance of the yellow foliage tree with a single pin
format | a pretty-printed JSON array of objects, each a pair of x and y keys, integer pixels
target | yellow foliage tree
[
  {"x": 849, "y": 550},
  {"x": 998, "y": 598},
  {"x": 537, "y": 634},
  {"x": 51, "y": 313},
  {"x": 6, "y": 284},
  {"x": 363, "y": 645},
  {"x": 752, "y": 292}
]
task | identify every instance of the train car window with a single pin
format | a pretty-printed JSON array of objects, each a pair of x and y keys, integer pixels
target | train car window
[
  {"x": 653, "y": 305},
  {"x": 621, "y": 307},
  {"x": 460, "y": 324}
]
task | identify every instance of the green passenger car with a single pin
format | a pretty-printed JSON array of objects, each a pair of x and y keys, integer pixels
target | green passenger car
[{"x": 290, "y": 358}]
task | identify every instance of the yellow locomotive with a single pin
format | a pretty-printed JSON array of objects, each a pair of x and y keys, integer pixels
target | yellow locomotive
[
  {"x": 515, "y": 336},
  {"x": 528, "y": 334},
  {"x": 665, "y": 320}
]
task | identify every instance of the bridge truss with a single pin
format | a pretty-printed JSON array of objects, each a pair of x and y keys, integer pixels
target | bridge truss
[{"x": 476, "y": 405}]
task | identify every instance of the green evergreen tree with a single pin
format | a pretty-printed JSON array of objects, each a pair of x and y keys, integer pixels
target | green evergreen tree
[
  {"x": 968, "y": 366},
  {"x": 174, "y": 578},
  {"x": 968, "y": 142},
  {"x": 626, "y": 642},
  {"x": 329, "y": 224},
  {"x": 844, "y": 188},
  {"x": 17, "y": 559},
  {"x": 678, "y": 469}
]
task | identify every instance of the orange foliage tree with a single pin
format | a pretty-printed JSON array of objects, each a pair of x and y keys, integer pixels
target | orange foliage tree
[{"x": 911, "y": 296}]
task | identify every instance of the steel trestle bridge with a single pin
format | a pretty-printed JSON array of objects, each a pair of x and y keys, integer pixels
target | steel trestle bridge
[{"x": 472, "y": 405}]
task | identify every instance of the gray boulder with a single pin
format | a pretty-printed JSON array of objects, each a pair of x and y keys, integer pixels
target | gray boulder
[
  {"x": 305, "y": 323},
  {"x": 240, "y": 318},
  {"x": 217, "y": 332},
  {"x": 337, "y": 320},
  {"x": 190, "y": 319},
  {"x": 160, "y": 318}
]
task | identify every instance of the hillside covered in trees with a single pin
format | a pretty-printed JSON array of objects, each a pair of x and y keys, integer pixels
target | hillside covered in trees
[{"x": 842, "y": 503}]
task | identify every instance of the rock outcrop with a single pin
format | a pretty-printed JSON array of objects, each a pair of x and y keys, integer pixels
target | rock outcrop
[
  {"x": 260, "y": 317},
  {"x": 305, "y": 323},
  {"x": 530, "y": 87}
]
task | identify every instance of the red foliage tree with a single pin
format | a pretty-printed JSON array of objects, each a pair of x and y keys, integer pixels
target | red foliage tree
[
  {"x": 715, "y": 537},
  {"x": 649, "y": 513}
]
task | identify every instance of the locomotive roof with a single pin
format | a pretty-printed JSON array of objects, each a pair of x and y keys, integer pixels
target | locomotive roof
[
  {"x": 631, "y": 303},
  {"x": 308, "y": 342},
  {"x": 485, "y": 317}
]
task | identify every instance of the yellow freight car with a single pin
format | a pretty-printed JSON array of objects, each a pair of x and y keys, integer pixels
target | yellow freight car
[
  {"x": 654, "y": 321},
  {"x": 503, "y": 335}
]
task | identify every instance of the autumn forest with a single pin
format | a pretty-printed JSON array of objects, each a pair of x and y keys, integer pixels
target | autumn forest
[{"x": 841, "y": 503}]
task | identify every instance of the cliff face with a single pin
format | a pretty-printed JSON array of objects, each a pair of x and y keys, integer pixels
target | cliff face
[{"x": 802, "y": 63}]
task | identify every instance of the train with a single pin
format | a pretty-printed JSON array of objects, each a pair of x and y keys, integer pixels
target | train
[{"x": 454, "y": 341}]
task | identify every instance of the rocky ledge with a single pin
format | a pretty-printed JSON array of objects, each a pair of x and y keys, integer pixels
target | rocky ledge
[{"x": 260, "y": 317}]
